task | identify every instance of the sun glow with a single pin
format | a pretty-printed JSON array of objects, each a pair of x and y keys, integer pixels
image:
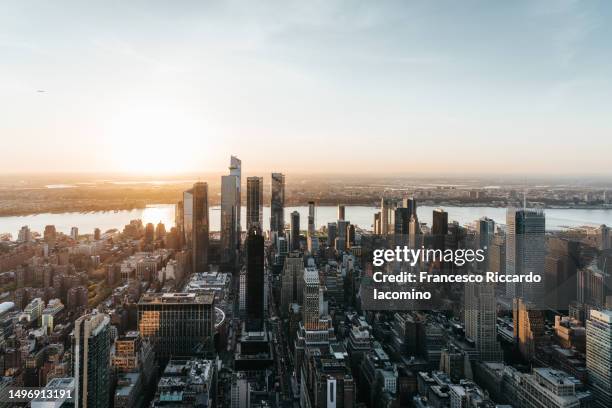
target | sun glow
[{"x": 157, "y": 140}]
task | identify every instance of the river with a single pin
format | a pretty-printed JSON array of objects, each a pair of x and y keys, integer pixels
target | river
[{"x": 360, "y": 215}]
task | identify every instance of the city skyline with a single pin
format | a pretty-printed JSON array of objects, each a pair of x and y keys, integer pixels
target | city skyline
[{"x": 496, "y": 84}]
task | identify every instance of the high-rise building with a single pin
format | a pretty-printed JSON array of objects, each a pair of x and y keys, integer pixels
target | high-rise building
[
  {"x": 313, "y": 300},
  {"x": 160, "y": 230},
  {"x": 402, "y": 225},
  {"x": 277, "y": 204},
  {"x": 525, "y": 251},
  {"x": 295, "y": 231},
  {"x": 230, "y": 212},
  {"x": 255, "y": 203},
  {"x": 415, "y": 234},
  {"x": 179, "y": 222},
  {"x": 439, "y": 228},
  {"x": 387, "y": 214},
  {"x": 341, "y": 239},
  {"x": 177, "y": 324},
  {"x": 91, "y": 360},
  {"x": 74, "y": 233},
  {"x": 411, "y": 204},
  {"x": 341, "y": 212},
  {"x": 528, "y": 327},
  {"x": 377, "y": 225},
  {"x": 25, "y": 235},
  {"x": 149, "y": 232},
  {"x": 599, "y": 356},
  {"x": 196, "y": 225},
  {"x": 255, "y": 280},
  {"x": 560, "y": 268},
  {"x": 332, "y": 233},
  {"x": 50, "y": 235},
  {"x": 97, "y": 234},
  {"x": 486, "y": 230},
  {"x": 292, "y": 282},
  {"x": 311, "y": 218},
  {"x": 481, "y": 320}
]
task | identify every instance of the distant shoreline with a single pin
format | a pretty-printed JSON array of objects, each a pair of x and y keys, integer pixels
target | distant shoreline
[{"x": 131, "y": 207}]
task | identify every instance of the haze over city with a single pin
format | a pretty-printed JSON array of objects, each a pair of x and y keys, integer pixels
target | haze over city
[{"x": 306, "y": 87}]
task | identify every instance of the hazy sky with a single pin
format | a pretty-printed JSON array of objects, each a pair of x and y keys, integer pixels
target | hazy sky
[{"x": 306, "y": 86}]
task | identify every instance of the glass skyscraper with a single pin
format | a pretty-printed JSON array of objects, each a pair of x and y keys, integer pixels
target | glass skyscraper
[
  {"x": 277, "y": 204},
  {"x": 599, "y": 356},
  {"x": 91, "y": 360}
]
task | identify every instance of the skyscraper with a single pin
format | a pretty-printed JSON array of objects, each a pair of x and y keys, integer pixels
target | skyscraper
[
  {"x": 313, "y": 244},
  {"x": 255, "y": 280},
  {"x": 402, "y": 225},
  {"x": 196, "y": 225},
  {"x": 341, "y": 239},
  {"x": 91, "y": 360},
  {"x": 599, "y": 356},
  {"x": 411, "y": 204},
  {"x": 312, "y": 300},
  {"x": 74, "y": 233},
  {"x": 486, "y": 231},
  {"x": 277, "y": 204},
  {"x": 176, "y": 323},
  {"x": 528, "y": 327},
  {"x": 295, "y": 231},
  {"x": 332, "y": 233},
  {"x": 387, "y": 215},
  {"x": 311, "y": 218},
  {"x": 341, "y": 212},
  {"x": 292, "y": 282},
  {"x": 525, "y": 251},
  {"x": 439, "y": 228},
  {"x": 230, "y": 212},
  {"x": 481, "y": 320},
  {"x": 254, "y": 202}
]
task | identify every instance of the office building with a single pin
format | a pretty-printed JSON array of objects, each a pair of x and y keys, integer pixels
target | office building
[
  {"x": 74, "y": 233},
  {"x": 341, "y": 212},
  {"x": 599, "y": 356},
  {"x": 230, "y": 212},
  {"x": 255, "y": 202},
  {"x": 255, "y": 280},
  {"x": 387, "y": 215},
  {"x": 292, "y": 282},
  {"x": 196, "y": 225},
  {"x": 295, "y": 231},
  {"x": 332, "y": 233},
  {"x": 91, "y": 360},
  {"x": 439, "y": 228},
  {"x": 177, "y": 323},
  {"x": 277, "y": 204},
  {"x": 525, "y": 251},
  {"x": 528, "y": 327},
  {"x": 481, "y": 320}
]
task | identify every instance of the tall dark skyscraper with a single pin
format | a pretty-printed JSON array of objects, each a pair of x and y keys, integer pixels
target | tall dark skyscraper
[
  {"x": 341, "y": 212},
  {"x": 91, "y": 360},
  {"x": 255, "y": 202},
  {"x": 525, "y": 251},
  {"x": 411, "y": 204},
  {"x": 402, "y": 225},
  {"x": 277, "y": 204},
  {"x": 199, "y": 226},
  {"x": 439, "y": 228},
  {"x": 295, "y": 231},
  {"x": 255, "y": 280},
  {"x": 230, "y": 211}
]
